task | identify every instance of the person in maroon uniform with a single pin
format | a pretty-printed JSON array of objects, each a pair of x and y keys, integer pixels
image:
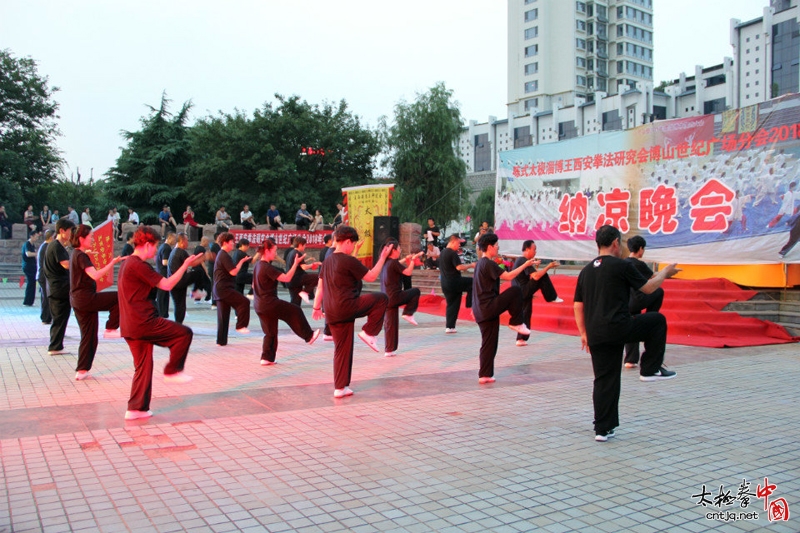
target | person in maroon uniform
[
  {"x": 87, "y": 302},
  {"x": 392, "y": 286},
  {"x": 225, "y": 293},
  {"x": 340, "y": 288},
  {"x": 142, "y": 328},
  {"x": 491, "y": 304},
  {"x": 270, "y": 308}
]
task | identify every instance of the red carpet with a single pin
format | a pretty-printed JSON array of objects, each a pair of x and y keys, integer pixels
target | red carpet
[{"x": 692, "y": 308}]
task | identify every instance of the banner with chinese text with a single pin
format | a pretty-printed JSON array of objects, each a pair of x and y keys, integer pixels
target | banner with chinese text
[
  {"x": 712, "y": 189},
  {"x": 283, "y": 238},
  {"x": 102, "y": 252},
  {"x": 363, "y": 205}
]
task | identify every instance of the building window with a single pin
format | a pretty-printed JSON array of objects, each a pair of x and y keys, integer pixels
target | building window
[
  {"x": 531, "y": 86},
  {"x": 713, "y": 107},
  {"x": 531, "y": 103},
  {"x": 580, "y": 44},
  {"x": 580, "y": 25},
  {"x": 612, "y": 121},
  {"x": 531, "y": 68},
  {"x": 530, "y": 33},
  {"x": 522, "y": 137},
  {"x": 531, "y": 50},
  {"x": 529, "y": 2},
  {"x": 580, "y": 62},
  {"x": 483, "y": 153},
  {"x": 567, "y": 130},
  {"x": 533, "y": 14},
  {"x": 580, "y": 81},
  {"x": 580, "y": 7}
]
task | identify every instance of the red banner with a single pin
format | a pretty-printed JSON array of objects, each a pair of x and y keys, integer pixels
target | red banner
[
  {"x": 102, "y": 252},
  {"x": 314, "y": 239}
]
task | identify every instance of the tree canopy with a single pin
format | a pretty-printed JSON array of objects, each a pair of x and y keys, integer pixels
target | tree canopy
[
  {"x": 423, "y": 158},
  {"x": 287, "y": 155},
  {"x": 152, "y": 168},
  {"x": 29, "y": 158}
]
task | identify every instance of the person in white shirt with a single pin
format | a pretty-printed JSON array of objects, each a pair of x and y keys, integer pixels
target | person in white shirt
[
  {"x": 133, "y": 217},
  {"x": 247, "y": 218}
]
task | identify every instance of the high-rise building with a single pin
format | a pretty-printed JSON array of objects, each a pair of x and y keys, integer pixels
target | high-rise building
[{"x": 561, "y": 52}]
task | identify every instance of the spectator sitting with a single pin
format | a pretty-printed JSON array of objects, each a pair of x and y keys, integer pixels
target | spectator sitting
[
  {"x": 165, "y": 217},
  {"x": 54, "y": 216},
  {"x": 339, "y": 218},
  {"x": 223, "y": 220},
  {"x": 133, "y": 216},
  {"x": 72, "y": 215},
  {"x": 188, "y": 217},
  {"x": 274, "y": 218},
  {"x": 318, "y": 222},
  {"x": 303, "y": 218},
  {"x": 110, "y": 218},
  {"x": 248, "y": 221},
  {"x": 5, "y": 224},
  {"x": 44, "y": 217},
  {"x": 30, "y": 219},
  {"x": 432, "y": 257}
]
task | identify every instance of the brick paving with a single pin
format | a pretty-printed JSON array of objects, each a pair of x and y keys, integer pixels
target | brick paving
[{"x": 419, "y": 447}]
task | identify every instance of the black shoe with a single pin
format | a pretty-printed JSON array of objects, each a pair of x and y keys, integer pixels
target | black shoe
[
  {"x": 662, "y": 373},
  {"x": 603, "y": 436}
]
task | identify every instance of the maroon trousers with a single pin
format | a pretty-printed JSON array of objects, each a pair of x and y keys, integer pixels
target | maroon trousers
[
  {"x": 88, "y": 323},
  {"x": 373, "y": 306},
  {"x": 242, "y": 306},
  {"x": 391, "y": 321},
  {"x": 289, "y": 313},
  {"x": 164, "y": 333}
]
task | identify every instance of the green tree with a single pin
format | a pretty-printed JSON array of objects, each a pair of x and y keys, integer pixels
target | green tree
[
  {"x": 29, "y": 159},
  {"x": 423, "y": 158},
  {"x": 483, "y": 209},
  {"x": 265, "y": 159},
  {"x": 151, "y": 170}
]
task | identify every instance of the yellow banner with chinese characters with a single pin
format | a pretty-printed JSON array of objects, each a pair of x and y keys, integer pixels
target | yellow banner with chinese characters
[{"x": 363, "y": 205}]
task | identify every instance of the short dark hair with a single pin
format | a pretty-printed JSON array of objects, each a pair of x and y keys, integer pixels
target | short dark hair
[
  {"x": 242, "y": 242},
  {"x": 327, "y": 238},
  {"x": 297, "y": 241},
  {"x": 391, "y": 241},
  {"x": 225, "y": 237},
  {"x": 48, "y": 234},
  {"x": 64, "y": 224},
  {"x": 129, "y": 236},
  {"x": 636, "y": 243},
  {"x": 487, "y": 240},
  {"x": 606, "y": 236},
  {"x": 527, "y": 244},
  {"x": 345, "y": 233},
  {"x": 454, "y": 237}
]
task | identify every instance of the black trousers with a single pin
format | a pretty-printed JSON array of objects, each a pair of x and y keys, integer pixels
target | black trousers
[
  {"x": 794, "y": 235},
  {"x": 45, "y": 315},
  {"x": 238, "y": 302},
  {"x": 607, "y": 364},
  {"x": 373, "y": 306},
  {"x": 452, "y": 289},
  {"x": 242, "y": 280},
  {"x": 308, "y": 284},
  {"x": 649, "y": 303},
  {"x": 60, "y": 310},
  {"x": 162, "y": 303},
  {"x": 195, "y": 276},
  {"x": 30, "y": 288},
  {"x": 391, "y": 320},
  {"x": 291, "y": 314},
  {"x": 544, "y": 284},
  {"x": 164, "y": 333},
  {"x": 509, "y": 300},
  {"x": 88, "y": 323}
]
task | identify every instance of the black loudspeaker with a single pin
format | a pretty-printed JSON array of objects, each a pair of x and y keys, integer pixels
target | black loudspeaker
[{"x": 382, "y": 229}]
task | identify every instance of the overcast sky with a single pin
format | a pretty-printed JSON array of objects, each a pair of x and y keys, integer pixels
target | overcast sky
[{"x": 112, "y": 58}]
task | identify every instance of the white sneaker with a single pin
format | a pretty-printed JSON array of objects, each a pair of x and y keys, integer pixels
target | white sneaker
[
  {"x": 327, "y": 338},
  {"x": 410, "y": 319},
  {"x": 264, "y": 362},
  {"x": 369, "y": 340},
  {"x": 243, "y": 331},
  {"x": 81, "y": 375},
  {"x": 178, "y": 377},
  {"x": 314, "y": 337},
  {"x": 111, "y": 334},
  {"x": 522, "y": 343},
  {"x": 557, "y": 301},
  {"x": 450, "y": 330},
  {"x": 304, "y": 296},
  {"x": 390, "y": 354},
  {"x": 250, "y": 297},
  {"x": 522, "y": 329},
  {"x": 341, "y": 393},
  {"x": 135, "y": 415}
]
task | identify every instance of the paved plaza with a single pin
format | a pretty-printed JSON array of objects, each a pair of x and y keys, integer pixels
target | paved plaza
[{"x": 419, "y": 447}]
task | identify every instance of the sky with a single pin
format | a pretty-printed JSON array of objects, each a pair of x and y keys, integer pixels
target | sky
[{"x": 111, "y": 60}]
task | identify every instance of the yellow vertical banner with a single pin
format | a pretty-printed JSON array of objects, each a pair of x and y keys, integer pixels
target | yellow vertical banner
[{"x": 363, "y": 205}]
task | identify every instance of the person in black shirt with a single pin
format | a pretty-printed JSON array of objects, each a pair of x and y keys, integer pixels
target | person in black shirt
[
  {"x": 531, "y": 280},
  {"x": 605, "y": 324},
  {"x": 243, "y": 277},
  {"x": 45, "y": 315},
  {"x": 87, "y": 302},
  {"x": 649, "y": 303},
  {"x": 432, "y": 232},
  {"x": 225, "y": 293},
  {"x": 205, "y": 281},
  {"x": 391, "y": 285},
  {"x": 491, "y": 303},
  {"x": 453, "y": 284},
  {"x": 162, "y": 261},
  {"x": 127, "y": 249},
  {"x": 340, "y": 288},
  {"x": 29, "y": 267},
  {"x": 56, "y": 270},
  {"x": 301, "y": 285},
  {"x": 177, "y": 257},
  {"x": 270, "y": 308},
  {"x": 211, "y": 259},
  {"x": 142, "y": 328}
]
